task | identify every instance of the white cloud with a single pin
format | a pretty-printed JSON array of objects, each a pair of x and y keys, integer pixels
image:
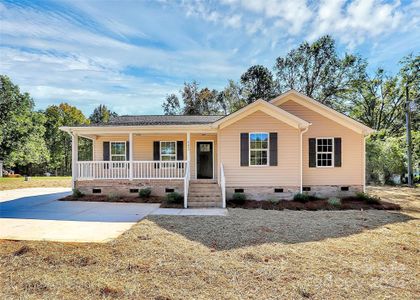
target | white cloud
[{"x": 352, "y": 23}]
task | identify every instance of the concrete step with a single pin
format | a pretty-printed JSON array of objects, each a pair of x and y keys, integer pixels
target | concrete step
[
  {"x": 204, "y": 204},
  {"x": 203, "y": 181},
  {"x": 204, "y": 194},
  {"x": 204, "y": 199}
]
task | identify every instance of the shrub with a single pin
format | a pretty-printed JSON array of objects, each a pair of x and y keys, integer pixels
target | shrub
[
  {"x": 174, "y": 198},
  {"x": 112, "y": 196},
  {"x": 145, "y": 193},
  {"x": 368, "y": 198},
  {"x": 333, "y": 201},
  {"x": 238, "y": 198},
  {"x": 77, "y": 193},
  {"x": 273, "y": 201},
  {"x": 303, "y": 198}
]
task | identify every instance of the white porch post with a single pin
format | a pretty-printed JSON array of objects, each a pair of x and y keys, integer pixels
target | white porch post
[
  {"x": 74, "y": 157},
  {"x": 130, "y": 139},
  {"x": 188, "y": 147}
]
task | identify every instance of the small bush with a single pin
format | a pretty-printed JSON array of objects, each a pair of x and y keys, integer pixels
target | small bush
[
  {"x": 77, "y": 193},
  {"x": 174, "y": 198},
  {"x": 368, "y": 198},
  {"x": 112, "y": 197},
  {"x": 273, "y": 201},
  {"x": 238, "y": 198},
  {"x": 333, "y": 201},
  {"x": 303, "y": 198},
  {"x": 145, "y": 193}
]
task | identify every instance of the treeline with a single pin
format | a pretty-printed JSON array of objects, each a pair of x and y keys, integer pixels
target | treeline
[
  {"x": 31, "y": 143},
  {"x": 376, "y": 99}
]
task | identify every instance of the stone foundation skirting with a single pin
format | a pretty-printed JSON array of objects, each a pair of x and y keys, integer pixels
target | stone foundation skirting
[
  {"x": 287, "y": 192},
  {"x": 264, "y": 192},
  {"x": 122, "y": 187}
]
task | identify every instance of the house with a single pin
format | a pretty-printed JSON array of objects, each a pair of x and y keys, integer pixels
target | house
[{"x": 266, "y": 150}]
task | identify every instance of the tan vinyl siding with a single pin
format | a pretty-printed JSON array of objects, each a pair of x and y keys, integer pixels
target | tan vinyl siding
[
  {"x": 351, "y": 172},
  {"x": 143, "y": 146},
  {"x": 286, "y": 173}
]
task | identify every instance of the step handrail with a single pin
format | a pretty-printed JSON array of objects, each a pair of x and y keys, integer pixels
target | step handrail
[{"x": 223, "y": 185}]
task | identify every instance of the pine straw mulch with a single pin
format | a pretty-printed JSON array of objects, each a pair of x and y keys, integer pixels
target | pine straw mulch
[
  {"x": 122, "y": 199},
  {"x": 319, "y": 204},
  {"x": 251, "y": 254}
]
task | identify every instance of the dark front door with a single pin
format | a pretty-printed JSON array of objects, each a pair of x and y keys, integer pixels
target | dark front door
[{"x": 204, "y": 160}]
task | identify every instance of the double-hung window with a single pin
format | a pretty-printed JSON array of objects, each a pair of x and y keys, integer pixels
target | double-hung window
[
  {"x": 258, "y": 149},
  {"x": 118, "y": 153},
  {"x": 168, "y": 151},
  {"x": 324, "y": 152}
]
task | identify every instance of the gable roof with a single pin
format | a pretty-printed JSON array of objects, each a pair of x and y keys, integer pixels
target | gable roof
[
  {"x": 266, "y": 107},
  {"x": 323, "y": 110}
]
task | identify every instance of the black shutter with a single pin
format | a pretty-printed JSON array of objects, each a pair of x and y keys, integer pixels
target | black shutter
[
  {"x": 273, "y": 148},
  {"x": 106, "y": 151},
  {"x": 179, "y": 150},
  {"x": 312, "y": 153},
  {"x": 337, "y": 152},
  {"x": 156, "y": 152},
  {"x": 127, "y": 150},
  {"x": 244, "y": 149}
]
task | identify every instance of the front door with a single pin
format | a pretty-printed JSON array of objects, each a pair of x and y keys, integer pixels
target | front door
[{"x": 204, "y": 160}]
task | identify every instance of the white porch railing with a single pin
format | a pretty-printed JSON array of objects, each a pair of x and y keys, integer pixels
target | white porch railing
[
  {"x": 87, "y": 170},
  {"x": 223, "y": 185}
]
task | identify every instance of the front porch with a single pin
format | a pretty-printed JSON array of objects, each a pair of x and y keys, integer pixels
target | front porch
[{"x": 124, "y": 162}]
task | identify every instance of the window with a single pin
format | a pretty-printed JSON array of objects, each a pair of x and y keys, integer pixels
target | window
[
  {"x": 118, "y": 152},
  {"x": 324, "y": 152},
  {"x": 167, "y": 151},
  {"x": 258, "y": 149}
]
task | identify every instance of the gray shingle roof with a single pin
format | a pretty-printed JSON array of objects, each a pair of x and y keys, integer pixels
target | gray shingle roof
[{"x": 159, "y": 120}]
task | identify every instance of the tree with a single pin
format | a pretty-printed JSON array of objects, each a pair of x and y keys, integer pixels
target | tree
[
  {"x": 230, "y": 98},
  {"x": 410, "y": 77},
  {"x": 378, "y": 102},
  {"x": 101, "y": 114},
  {"x": 171, "y": 105},
  {"x": 59, "y": 142},
  {"x": 21, "y": 128},
  {"x": 317, "y": 71},
  {"x": 257, "y": 83},
  {"x": 196, "y": 101}
]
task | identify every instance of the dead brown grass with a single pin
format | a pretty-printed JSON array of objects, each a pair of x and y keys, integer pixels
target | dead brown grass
[
  {"x": 19, "y": 183},
  {"x": 252, "y": 254}
]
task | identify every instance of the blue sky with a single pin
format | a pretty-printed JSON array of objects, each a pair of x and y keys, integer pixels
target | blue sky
[{"x": 130, "y": 54}]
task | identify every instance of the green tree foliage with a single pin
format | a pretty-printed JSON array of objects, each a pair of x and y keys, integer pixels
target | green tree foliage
[
  {"x": 21, "y": 128},
  {"x": 171, "y": 105},
  {"x": 59, "y": 142},
  {"x": 101, "y": 114},
  {"x": 257, "y": 83},
  {"x": 317, "y": 71},
  {"x": 231, "y": 98},
  {"x": 196, "y": 101},
  {"x": 378, "y": 102}
]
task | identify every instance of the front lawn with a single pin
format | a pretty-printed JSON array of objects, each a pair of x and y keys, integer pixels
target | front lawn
[
  {"x": 255, "y": 254},
  {"x": 7, "y": 183}
]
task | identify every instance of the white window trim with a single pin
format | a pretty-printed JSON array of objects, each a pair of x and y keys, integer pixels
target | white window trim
[
  {"x": 268, "y": 150},
  {"x": 160, "y": 151},
  {"x": 110, "y": 151},
  {"x": 332, "y": 153}
]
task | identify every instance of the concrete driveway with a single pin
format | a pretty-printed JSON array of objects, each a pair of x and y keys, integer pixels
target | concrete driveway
[{"x": 35, "y": 214}]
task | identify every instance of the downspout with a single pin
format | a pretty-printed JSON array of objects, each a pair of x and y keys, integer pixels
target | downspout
[
  {"x": 364, "y": 163},
  {"x": 301, "y": 157}
]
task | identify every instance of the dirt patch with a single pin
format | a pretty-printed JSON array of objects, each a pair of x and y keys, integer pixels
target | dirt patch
[{"x": 313, "y": 205}]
